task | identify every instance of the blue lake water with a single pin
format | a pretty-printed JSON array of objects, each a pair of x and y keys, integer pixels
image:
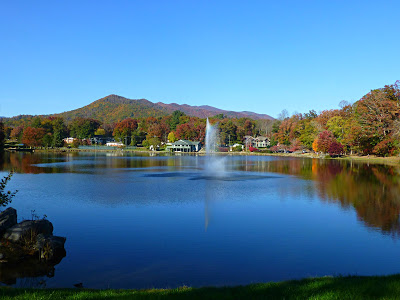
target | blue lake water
[{"x": 163, "y": 221}]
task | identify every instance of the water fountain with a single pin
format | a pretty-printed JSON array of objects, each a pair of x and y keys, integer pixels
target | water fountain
[{"x": 214, "y": 166}]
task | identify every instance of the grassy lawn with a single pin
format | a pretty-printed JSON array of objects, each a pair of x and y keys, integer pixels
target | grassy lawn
[{"x": 373, "y": 287}]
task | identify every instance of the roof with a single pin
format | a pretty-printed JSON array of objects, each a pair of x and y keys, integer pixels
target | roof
[
  {"x": 262, "y": 138},
  {"x": 185, "y": 142}
]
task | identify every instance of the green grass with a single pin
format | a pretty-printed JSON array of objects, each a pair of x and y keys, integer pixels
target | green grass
[{"x": 354, "y": 287}]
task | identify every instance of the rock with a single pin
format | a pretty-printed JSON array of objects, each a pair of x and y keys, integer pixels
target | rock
[
  {"x": 28, "y": 229},
  {"x": 50, "y": 247},
  {"x": 8, "y": 218}
]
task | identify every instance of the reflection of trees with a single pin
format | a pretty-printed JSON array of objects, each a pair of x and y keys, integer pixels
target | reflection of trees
[{"x": 372, "y": 190}]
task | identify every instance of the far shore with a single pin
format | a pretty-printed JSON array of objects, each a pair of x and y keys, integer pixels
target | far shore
[{"x": 391, "y": 160}]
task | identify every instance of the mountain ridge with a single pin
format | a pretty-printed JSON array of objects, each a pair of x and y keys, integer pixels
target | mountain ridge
[{"x": 114, "y": 108}]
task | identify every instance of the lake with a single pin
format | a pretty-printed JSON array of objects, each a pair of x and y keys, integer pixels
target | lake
[{"x": 139, "y": 221}]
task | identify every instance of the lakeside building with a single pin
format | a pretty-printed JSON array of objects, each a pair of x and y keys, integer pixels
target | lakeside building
[
  {"x": 69, "y": 140},
  {"x": 257, "y": 142},
  {"x": 261, "y": 142},
  {"x": 185, "y": 146},
  {"x": 114, "y": 144}
]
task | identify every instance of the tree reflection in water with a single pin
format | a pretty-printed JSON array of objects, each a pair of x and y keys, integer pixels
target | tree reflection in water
[{"x": 372, "y": 190}]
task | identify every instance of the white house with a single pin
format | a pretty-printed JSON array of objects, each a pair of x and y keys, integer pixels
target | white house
[{"x": 114, "y": 144}]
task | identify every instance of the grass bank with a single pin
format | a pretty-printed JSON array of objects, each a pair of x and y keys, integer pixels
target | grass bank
[{"x": 354, "y": 287}]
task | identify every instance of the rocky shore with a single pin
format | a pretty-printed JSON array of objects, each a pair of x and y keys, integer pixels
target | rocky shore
[{"x": 28, "y": 248}]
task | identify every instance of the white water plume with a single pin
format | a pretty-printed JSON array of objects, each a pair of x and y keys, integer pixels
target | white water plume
[{"x": 215, "y": 166}]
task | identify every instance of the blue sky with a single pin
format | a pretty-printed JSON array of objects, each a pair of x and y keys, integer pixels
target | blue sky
[{"x": 261, "y": 56}]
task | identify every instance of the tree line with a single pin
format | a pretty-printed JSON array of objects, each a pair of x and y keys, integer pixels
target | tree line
[{"x": 371, "y": 125}]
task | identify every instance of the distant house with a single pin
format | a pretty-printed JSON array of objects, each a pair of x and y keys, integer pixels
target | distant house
[
  {"x": 114, "y": 144},
  {"x": 248, "y": 140},
  {"x": 261, "y": 142},
  {"x": 185, "y": 146},
  {"x": 69, "y": 140},
  {"x": 258, "y": 142}
]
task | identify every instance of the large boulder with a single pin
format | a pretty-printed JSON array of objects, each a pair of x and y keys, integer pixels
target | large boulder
[
  {"x": 29, "y": 230},
  {"x": 8, "y": 218},
  {"x": 50, "y": 247}
]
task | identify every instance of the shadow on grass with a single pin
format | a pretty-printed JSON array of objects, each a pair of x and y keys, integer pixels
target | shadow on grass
[{"x": 356, "y": 287}]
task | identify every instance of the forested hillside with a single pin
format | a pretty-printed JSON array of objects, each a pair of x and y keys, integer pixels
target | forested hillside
[
  {"x": 371, "y": 125},
  {"x": 114, "y": 108}
]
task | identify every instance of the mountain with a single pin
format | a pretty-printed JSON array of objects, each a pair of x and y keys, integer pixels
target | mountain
[{"x": 114, "y": 108}]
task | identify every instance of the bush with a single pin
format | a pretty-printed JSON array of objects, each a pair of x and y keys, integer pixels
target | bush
[{"x": 238, "y": 148}]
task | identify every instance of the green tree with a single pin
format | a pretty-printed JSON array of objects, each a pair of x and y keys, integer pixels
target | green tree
[
  {"x": 307, "y": 131},
  {"x": 100, "y": 131},
  {"x": 227, "y": 131},
  {"x": 47, "y": 140},
  {"x": 59, "y": 131},
  {"x": 152, "y": 143},
  {"x": 6, "y": 196},
  {"x": 175, "y": 119},
  {"x": 336, "y": 126},
  {"x": 83, "y": 128}
]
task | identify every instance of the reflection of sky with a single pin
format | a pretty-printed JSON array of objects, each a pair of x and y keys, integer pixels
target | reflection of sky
[{"x": 146, "y": 228}]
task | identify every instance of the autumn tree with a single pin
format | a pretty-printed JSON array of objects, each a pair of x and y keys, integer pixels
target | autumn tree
[
  {"x": 287, "y": 131},
  {"x": 159, "y": 129},
  {"x": 186, "y": 131},
  {"x": 33, "y": 137},
  {"x": 335, "y": 148},
  {"x": 17, "y": 132},
  {"x": 376, "y": 113},
  {"x": 2, "y": 137},
  {"x": 125, "y": 129},
  {"x": 323, "y": 141},
  {"x": 171, "y": 137}
]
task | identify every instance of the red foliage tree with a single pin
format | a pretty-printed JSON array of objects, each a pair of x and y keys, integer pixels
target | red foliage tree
[
  {"x": 335, "y": 148},
  {"x": 16, "y": 132},
  {"x": 125, "y": 128},
  {"x": 324, "y": 140},
  {"x": 385, "y": 147},
  {"x": 186, "y": 131},
  {"x": 33, "y": 136}
]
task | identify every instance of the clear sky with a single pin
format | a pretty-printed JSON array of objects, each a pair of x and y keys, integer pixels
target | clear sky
[{"x": 261, "y": 56}]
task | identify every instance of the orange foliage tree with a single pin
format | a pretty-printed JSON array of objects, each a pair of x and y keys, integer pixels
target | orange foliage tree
[{"x": 33, "y": 136}]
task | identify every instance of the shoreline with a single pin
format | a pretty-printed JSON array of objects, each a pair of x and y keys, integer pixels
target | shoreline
[
  {"x": 391, "y": 160},
  {"x": 348, "y": 287}
]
